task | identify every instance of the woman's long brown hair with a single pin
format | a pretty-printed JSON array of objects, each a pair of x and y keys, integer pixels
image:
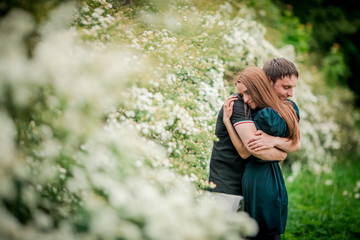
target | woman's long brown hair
[{"x": 263, "y": 95}]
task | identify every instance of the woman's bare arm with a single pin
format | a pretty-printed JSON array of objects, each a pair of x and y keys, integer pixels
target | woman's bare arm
[
  {"x": 262, "y": 140},
  {"x": 235, "y": 139}
]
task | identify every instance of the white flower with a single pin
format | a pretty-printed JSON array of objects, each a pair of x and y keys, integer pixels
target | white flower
[
  {"x": 85, "y": 8},
  {"x": 130, "y": 114},
  {"x": 328, "y": 182}
]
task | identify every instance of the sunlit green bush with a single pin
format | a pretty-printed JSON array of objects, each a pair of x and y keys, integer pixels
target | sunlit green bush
[{"x": 334, "y": 67}]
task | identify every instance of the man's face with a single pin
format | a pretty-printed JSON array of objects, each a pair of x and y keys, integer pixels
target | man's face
[{"x": 284, "y": 87}]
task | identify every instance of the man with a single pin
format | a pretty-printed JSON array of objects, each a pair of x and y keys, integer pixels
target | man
[{"x": 226, "y": 164}]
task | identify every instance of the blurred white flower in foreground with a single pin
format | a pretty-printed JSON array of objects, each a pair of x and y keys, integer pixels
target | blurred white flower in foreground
[{"x": 76, "y": 175}]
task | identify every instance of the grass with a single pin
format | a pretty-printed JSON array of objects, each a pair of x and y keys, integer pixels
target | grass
[{"x": 325, "y": 206}]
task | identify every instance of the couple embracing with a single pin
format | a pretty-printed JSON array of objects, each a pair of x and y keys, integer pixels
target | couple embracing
[{"x": 256, "y": 129}]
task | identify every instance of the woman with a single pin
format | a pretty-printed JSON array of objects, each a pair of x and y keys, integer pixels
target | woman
[{"x": 263, "y": 184}]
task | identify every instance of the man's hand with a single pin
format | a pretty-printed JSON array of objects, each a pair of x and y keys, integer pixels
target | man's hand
[{"x": 261, "y": 141}]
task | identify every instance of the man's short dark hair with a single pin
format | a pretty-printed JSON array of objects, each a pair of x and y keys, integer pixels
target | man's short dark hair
[{"x": 278, "y": 68}]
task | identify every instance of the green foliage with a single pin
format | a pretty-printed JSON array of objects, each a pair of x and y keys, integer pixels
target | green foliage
[
  {"x": 294, "y": 32},
  {"x": 325, "y": 206},
  {"x": 282, "y": 25},
  {"x": 334, "y": 68}
]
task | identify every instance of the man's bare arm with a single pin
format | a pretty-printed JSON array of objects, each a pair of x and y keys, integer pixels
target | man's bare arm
[{"x": 246, "y": 131}]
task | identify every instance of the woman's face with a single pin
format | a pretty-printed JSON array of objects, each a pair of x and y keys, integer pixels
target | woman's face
[{"x": 242, "y": 90}]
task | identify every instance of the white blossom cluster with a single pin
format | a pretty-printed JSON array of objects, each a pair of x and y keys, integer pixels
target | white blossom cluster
[
  {"x": 96, "y": 18},
  {"x": 355, "y": 192}
]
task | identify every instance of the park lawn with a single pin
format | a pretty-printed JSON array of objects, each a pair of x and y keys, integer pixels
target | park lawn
[{"x": 325, "y": 206}]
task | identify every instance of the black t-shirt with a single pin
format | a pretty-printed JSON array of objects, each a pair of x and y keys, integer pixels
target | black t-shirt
[{"x": 226, "y": 165}]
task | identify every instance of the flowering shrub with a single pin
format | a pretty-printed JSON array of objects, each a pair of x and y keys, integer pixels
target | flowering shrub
[
  {"x": 69, "y": 168},
  {"x": 107, "y": 128}
]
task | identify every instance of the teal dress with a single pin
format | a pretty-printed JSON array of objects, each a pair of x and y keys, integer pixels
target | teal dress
[{"x": 263, "y": 184}]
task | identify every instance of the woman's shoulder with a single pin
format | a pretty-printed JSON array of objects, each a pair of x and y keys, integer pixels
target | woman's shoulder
[
  {"x": 268, "y": 117},
  {"x": 269, "y": 121},
  {"x": 267, "y": 112}
]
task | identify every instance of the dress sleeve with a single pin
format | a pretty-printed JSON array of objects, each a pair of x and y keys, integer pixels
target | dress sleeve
[{"x": 270, "y": 122}]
